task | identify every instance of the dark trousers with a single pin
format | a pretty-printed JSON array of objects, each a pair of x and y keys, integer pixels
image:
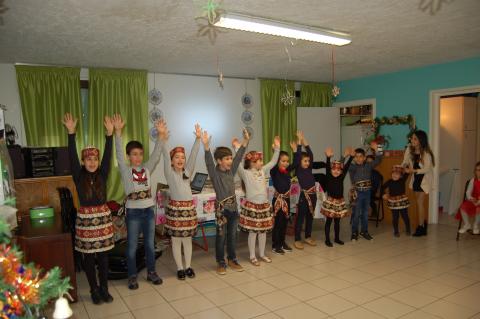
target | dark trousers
[
  {"x": 303, "y": 213},
  {"x": 396, "y": 215},
  {"x": 90, "y": 263},
  {"x": 279, "y": 230},
  {"x": 228, "y": 236},
  {"x": 336, "y": 227}
]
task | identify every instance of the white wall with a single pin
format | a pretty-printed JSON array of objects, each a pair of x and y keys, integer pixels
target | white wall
[
  {"x": 191, "y": 99},
  {"x": 9, "y": 97},
  {"x": 186, "y": 101}
]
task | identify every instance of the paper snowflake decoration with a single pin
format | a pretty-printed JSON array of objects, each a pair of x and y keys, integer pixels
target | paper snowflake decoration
[
  {"x": 335, "y": 91},
  {"x": 206, "y": 22},
  {"x": 287, "y": 98}
]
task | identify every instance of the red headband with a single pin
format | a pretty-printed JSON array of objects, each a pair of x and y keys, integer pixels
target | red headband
[
  {"x": 176, "y": 150},
  {"x": 337, "y": 165},
  {"x": 254, "y": 156},
  {"x": 90, "y": 151},
  {"x": 397, "y": 169}
]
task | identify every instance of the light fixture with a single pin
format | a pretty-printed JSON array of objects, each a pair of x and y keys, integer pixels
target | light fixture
[{"x": 282, "y": 29}]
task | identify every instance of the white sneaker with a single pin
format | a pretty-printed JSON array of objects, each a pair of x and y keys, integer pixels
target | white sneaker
[
  {"x": 476, "y": 231},
  {"x": 465, "y": 228}
]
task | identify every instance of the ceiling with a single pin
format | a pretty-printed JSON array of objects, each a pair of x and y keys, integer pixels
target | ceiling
[{"x": 161, "y": 36}]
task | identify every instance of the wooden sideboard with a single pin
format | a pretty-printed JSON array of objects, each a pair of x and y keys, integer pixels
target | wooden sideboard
[
  {"x": 385, "y": 168},
  {"x": 42, "y": 191}
]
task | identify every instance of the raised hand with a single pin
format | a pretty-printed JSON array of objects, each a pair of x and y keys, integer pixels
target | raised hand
[
  {"x": 236, "y": 143},
  {"x": 198, "y": 131},
  {"x": 70, "y": 123},
  {"x": 276, "y": 142},
  {"x": 108, "y": 123},
  {"x": 246, "y": 135},
  {"x": 118, "y": 123},
  {"x": 293, "y": 145},
  {"x": 374, "y": 145},
  {"x": 329, "y": 152},
  {"x": 162, "y": 129},
  {"x": 348, "y": 151},
  {"x": 205, "y": 140},
  {"x": 300, "y": 136}
]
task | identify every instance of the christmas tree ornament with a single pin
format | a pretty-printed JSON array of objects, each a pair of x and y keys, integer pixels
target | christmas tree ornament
[{"x": 62, "y": 309}]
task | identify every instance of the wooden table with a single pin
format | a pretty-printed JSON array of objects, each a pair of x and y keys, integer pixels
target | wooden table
[{"x": 48, "y": 245}]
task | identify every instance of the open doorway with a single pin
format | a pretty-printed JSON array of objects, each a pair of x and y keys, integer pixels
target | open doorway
[
  {"x": 454, "y": 132},
  {"x": 459, "y": 136}
]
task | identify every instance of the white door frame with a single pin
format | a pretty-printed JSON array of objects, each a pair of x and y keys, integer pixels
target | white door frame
[{"x": 434, "y": 134}]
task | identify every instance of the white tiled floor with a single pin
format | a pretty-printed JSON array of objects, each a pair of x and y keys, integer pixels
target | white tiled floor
[{"x": 430, "y": 277}]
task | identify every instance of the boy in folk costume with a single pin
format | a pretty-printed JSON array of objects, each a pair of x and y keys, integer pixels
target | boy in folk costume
[
  {"x": 93, "y": 226},
  {"x": 181, "y": 213},
  {"x": 222, "y": 171},
  {"x": 397, "y": 199},
  {"x": 334, "y": 207},
  {"x": 256, "y": 214},
  {"x": 140, "y": 216}
]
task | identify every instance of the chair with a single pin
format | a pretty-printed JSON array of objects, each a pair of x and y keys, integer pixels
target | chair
[{"x": 461, "y": 220}]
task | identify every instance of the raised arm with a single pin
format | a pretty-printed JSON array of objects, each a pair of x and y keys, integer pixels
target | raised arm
[
  {"x": 237, "y": 160},
  {"x": 310, "y": 154},
  {"x": 154, "y": 158},
  {"x": 328, "y": 155},
  {"x": 297, "y": 156},
  {"x": 118, "y": 125},
  {"x": 209, "y": 162},
  {"x": 70, "y": 124},
  {"x": 346, "y": 166},
  {"x": 276, "y": 153},
  {"x": 107, "y": 150},
  {"x": 192, "y": 158}
]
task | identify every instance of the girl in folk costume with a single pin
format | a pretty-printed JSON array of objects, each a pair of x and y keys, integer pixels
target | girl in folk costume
[
  {"x": 397, "y": 199},
  {"x": 334, "y": 207},
  {"x": 418, "y": 160},
  {"x": 181, "y": 213},
  {"x": 471, "y": 206},
  {"x": 303, "y": 162},
  {"x": 93, "y": 227},
  {"x": 256, "y": 214},
  {"x": 282, "y": 182}
]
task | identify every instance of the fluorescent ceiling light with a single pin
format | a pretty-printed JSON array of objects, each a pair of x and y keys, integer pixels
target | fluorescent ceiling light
[{"x": 282, "y": 29}]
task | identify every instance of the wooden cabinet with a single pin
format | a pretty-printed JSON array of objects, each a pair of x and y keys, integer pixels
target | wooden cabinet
[{"x": 42, "y": 191}]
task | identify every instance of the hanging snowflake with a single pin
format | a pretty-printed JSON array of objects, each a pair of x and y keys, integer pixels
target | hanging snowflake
[
  {"x": 287, "y": 97},
  {"x": 206, "y": 22},
  {"x": 335, "y": 91}
]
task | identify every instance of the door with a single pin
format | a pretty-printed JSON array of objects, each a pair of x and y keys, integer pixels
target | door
[{"x": 321, "y": 126}]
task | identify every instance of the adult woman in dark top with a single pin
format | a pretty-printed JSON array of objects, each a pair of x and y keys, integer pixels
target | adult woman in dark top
[
  {"x": 94, "y": 228},
  {"x": 418, "y": 160}
]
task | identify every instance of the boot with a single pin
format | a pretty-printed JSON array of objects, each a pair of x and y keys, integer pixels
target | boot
[{"x": 420, "y": 231}]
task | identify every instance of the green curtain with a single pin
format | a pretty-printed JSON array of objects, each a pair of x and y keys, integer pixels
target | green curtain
[
  {"x": 315, "y": 94},
  {"x": 46, "y": 94},
  {"x": 277, "y": 119},
  {"x": 124, "y": 92}
]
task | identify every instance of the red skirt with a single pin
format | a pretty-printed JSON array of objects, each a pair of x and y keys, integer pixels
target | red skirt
[
  {"x": 257, "y": 218},
  {"x": 468, "y": 207},
  {"x": 181, "y": 218},
  {"x": 93, "y": 229}
]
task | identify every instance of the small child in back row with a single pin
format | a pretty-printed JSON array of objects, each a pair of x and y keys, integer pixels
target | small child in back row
[
  {"x": 397, "y": 199},
  {"x": 334, "y": 207}
]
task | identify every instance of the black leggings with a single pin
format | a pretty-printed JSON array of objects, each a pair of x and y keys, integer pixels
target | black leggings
[
  {"x": 396, "y": 215},
  {"x": 336, "y": 227},
  {"x": 304, "y": 214},
  {"x": 101, "y": 261}
]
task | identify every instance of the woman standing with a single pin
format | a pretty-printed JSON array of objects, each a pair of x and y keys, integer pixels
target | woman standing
[{"x": 418, "y": 161}]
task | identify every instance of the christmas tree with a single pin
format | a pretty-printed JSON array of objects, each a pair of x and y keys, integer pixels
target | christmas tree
[{"x": 25, "y": 290}]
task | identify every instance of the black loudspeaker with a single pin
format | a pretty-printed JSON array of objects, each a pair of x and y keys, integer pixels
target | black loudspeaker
[
  {"x": 40, "y": 161},
  {"x": 62, "y": 161},
  {"x": 18, "y": 161}
]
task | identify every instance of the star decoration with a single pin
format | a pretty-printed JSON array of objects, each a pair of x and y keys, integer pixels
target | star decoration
[
  {"x": 335, "y": 91},
  {"x": 212, "y": 11},
  {"x": 287, "y": 98}
]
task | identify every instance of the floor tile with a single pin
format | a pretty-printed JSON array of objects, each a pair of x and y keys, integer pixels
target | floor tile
[
  {"x": 164, "y": 310},
  {"x": 214, "y": 313},
  {"x": 302, "y": 311},
  {"x": 413, "y": 297},
  {"x": 357, "y": 313},
  {"x": 355, "y": 276},
  {"x": 225, "y": 296},
  {"x": 237, "y": 278},
  {"x": 192, "y": 305},
  {"x": 175, "y": 292},
  {"x": 331, "y": 304},
  {"x": 305, "y": 291},
  {"x": 388, "y": 308},
  {"x": 244, "y": 309},
  {"x": 283, "y": 281},
  {"x": 448, "y": 310},
  {"x": 144, "y": 300},
  {"x": 208, "y": 285},
  {"x": 418, "y": 314},
  {"x": 467, "y": 297},
  {"x": 357, "y": 295},
  {"x": 331, "y": 283},
  {"x": 434, "y": 289},
  {"x": 381, "y": 286},
  {"x": 106, "y": 310},
  {"x": 276, "y": 300},
  {"x": 256, "y": 288},
  {"x": 453, "y": 280}
]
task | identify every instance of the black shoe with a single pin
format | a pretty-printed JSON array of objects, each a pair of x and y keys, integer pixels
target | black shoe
[
  {"x": 354, "y": 237},
  {"x": 425, "y": 227},
  {"x": 96, "y": 297},
  {"x": 366, "y": 235},
  {"x": 181, "y": 274},
  {"x": 328, "y": 243},
  {"x": 339, "y": 242},
  {"x": 278, "y": 251},
  {"x": 132, "y": 283},
  {"x": 105, "y": 295},
  {"x": 419, "y": 232},
  {"x": 396, "y": 234},
  {"x": 286, "y": 248},
  {"x": 190, "y": 273},
  {"x": 154, "y": 278}
]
